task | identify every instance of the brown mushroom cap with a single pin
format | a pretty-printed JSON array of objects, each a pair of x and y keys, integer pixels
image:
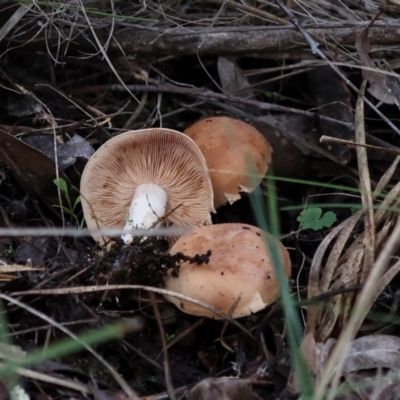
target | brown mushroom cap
[
  {"x": 237, "y": 155},
  {"x": 239, "y": 265},
  {"x": 164, "y": 157}
]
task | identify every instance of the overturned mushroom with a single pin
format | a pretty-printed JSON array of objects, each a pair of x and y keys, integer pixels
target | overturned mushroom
[
  {"x": 239, "y": 270},
  {"x": 146, "y": 178},
  {"x": 237, "y": 155}
]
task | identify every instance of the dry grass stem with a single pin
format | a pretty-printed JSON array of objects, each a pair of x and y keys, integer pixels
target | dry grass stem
[{"x": 365, "y": 186}]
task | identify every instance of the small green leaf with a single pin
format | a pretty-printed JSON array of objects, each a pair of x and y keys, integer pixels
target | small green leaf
[
  {"x": 77, "y": 201},
  {"x": 62, "y": 185},
  {"x": 65, "y": 210},
  {"x": 312, "y": 218}
]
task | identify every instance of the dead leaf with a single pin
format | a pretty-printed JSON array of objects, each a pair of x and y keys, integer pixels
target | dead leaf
[
  {"x": 233, "y": 82},
  {"x": 22, "y": 105},
  {"x": 366, "y": 353},
  {"x": 383, "y": 87},
  {"x": 33, "y": 168},
  {"x": 390, "y": 392},
  {"x": 231, "y": 78},
  {"x": 222, "y": 389},
  {"x": 107, "y": 395},
  {"x": 32, "y": 253},
  {"x": 391, "y": 6},
  {"x": 380, "y": 386},
  {"x": 393, "y": 85},
  {"x": 375, "y": 351},
  {"x": 67, "y": 153}
]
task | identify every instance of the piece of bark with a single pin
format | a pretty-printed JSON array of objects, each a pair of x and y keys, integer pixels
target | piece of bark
[
  {"x": 242, "y": 40},
  {"x": 269, "y": 42}
]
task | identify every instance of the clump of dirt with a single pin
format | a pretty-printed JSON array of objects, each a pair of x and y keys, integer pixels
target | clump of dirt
[{"x": 142, "y": 262}]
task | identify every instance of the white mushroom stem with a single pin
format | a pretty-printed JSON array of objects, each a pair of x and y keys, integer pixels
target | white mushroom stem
[{"x": 147, "y": 207}]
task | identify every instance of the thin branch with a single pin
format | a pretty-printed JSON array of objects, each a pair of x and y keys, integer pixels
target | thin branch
[
  {"x": 266, "y": 41},
  {"x": 272, "y": 42},
  {"x": 208, "y": 94}
]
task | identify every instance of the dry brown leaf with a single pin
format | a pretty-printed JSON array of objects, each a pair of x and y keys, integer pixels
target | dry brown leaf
[
  {"x": 383, "y": 87},
  {"x": 390, "y": 391},
  {"x": 107, "y": 395},
  {"x": 389, "y": 5},
  {"x": 222, "y": 389},
  {"x": 231, "y": 78},
  {"x": 375, "y": 351},
  {"x": 33, "y": 168},
  {"x": 366, "y": 353},
  {"x": 378, "y": 387}
]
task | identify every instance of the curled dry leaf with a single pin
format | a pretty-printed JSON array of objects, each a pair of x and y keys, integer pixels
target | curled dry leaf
[
  {"x": 107, "y": 395},
  {"x": 384, "y": 87},
  {"x": 375, "y": 351},
  {"x": 226, "y": 388},
  {"x": 372, "y": 352}
]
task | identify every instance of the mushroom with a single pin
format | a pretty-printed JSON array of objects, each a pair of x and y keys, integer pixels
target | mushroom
[
  {"x": 237, "y": 155},
  {"x": 145, "y": 178},
  {"x": 239, "y": 270}
]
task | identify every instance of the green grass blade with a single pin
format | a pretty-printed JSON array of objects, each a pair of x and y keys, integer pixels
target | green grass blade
[
  {"x": 66, "y": 347},
  {"x": 294, "y": 328}
]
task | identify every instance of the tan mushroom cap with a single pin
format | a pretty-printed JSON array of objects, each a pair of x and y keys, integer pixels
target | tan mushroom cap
[
  {"x": 236, "y": 153},
  {"x": 164, "y": 157},
  {"x": 240, "y": 264}
]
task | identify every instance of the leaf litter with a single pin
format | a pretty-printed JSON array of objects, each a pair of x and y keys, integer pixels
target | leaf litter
[
  {"x": 383, "y": 85},
  {"x": 364, "y": 364},
  {"x": 75, "y": 102}
]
